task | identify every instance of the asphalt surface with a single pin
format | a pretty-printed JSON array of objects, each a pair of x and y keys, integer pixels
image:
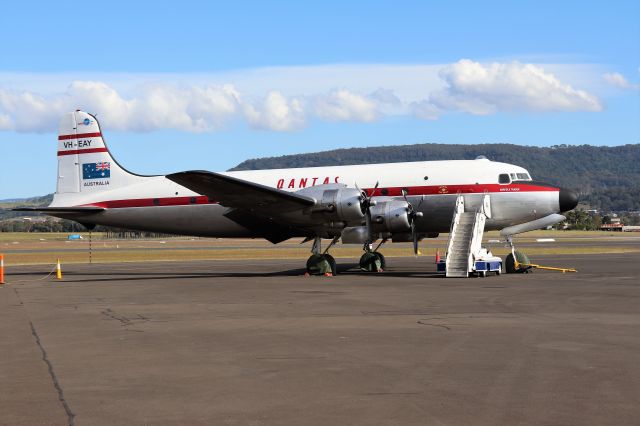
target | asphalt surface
[
  {"x": 256, "y": 342},
  {"x": 631, "y": 241}
]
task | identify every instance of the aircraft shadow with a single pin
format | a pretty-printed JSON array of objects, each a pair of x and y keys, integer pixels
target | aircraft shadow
[{"x": 103, "y": 276}]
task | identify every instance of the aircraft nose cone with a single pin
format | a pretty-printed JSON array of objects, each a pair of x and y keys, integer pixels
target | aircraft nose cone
[{"x": 568, "y": 199}]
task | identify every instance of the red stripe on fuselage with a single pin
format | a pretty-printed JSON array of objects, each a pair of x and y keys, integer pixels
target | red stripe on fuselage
[
  {"x": 392, "y": 192},
  {"x": 460, "y": 189},
  {"x": 80, "y": 135},
  {"x": 82, "y": 151},
  {"x": 152, "y": 202}
]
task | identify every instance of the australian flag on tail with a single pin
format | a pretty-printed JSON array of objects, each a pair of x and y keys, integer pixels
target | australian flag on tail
[{"x": 96, "y": 170}]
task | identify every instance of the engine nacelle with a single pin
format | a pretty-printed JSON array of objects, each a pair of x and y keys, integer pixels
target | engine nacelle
[
  {"x": 390, "y": 216},
  {"x": 355, "y": 235},
  {"x": 337, "y": 203}
]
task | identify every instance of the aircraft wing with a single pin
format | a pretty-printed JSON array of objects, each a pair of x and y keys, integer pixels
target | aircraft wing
[{"x": 241, "y": 194}]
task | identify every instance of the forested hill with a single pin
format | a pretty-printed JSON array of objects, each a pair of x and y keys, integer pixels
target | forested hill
[{"x": 607, "y": 177}]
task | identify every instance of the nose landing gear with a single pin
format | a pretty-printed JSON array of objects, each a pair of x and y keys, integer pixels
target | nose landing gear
[{"x": 516, "y": 262}]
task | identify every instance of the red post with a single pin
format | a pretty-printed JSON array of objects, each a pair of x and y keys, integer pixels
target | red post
[
  {"x": 1, "y": 269},
  {"x": 437, "y": 256}
]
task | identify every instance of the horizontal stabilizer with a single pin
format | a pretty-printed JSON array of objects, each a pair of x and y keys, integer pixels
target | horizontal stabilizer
[
  {"x": 241, "y": 194},
  {"x": 52, "y": 210}
]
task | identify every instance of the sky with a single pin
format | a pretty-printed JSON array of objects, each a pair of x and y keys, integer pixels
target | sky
[{"x": 205, "y": 85}]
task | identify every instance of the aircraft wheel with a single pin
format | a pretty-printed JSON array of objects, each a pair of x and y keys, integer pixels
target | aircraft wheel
[
  {"x": 372, "y": 261},
  {"x": 332, "y": 263},
  {"x": 320, "y": 264},
  {"x": 510, "y": 264}
]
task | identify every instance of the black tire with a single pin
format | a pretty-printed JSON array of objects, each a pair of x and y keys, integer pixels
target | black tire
[
  {"x": 370, "y": 262},
  {"x": 318, "y": 264},
  {"x": 510, "y": 264}
]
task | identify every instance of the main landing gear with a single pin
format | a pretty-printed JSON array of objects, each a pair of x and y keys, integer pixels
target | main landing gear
[
  {"x": 321, "y": 263},
  {"x": 373, "y": 260}
]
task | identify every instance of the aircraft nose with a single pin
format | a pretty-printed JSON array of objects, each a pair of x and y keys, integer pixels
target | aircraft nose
[{"x": 568, "y": 199}]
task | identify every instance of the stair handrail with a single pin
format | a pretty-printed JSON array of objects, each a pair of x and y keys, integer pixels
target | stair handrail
[
  {"x": 475, "y": 242},
  {"x": 459, "y": 208}
]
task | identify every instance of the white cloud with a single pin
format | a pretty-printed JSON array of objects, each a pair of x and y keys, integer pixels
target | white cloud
[
  {"x": 618, "y": 80},
  {"x": 343, "y": 105},
  {"x": 285, "y": 98},
  {"x": 276, "y": 113},
  {"x": 486, "y": 89},
  {"x": 193, "y": 109},
  {"x": 5, "y": 122},
  {"x": 425, "y": 110},
  {"x": 386, "y": 96},
  {"x": 25, "y": 111}
]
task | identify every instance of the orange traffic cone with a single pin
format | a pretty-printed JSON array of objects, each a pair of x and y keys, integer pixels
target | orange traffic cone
[{"x": 1, "y": 269}]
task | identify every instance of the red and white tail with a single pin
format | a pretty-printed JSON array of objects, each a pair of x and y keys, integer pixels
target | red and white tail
[{"x": 84, "y": 162}]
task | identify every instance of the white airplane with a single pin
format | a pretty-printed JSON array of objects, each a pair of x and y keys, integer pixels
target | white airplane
[{"x": 357, "y": 204}]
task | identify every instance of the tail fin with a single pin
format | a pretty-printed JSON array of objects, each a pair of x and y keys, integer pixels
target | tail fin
[{"x": 84, "y": 161}]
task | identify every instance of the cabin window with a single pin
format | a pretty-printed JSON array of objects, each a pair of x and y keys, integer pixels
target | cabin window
[
  {"x": 504, "y": 178},
  {"x": 192, "y": 200},
  {"x": 384, "y": 191},
  {"x": 156, "y": 201}
]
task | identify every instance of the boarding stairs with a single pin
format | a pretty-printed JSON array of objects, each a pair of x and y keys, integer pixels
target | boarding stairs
[{"x": 465, "y": 237}]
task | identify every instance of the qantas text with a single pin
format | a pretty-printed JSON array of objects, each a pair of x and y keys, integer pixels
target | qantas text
[{"x": 304, "y": 182}]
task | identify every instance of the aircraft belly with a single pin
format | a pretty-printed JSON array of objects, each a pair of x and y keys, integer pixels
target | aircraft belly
[{"x": 197, "y": 220}]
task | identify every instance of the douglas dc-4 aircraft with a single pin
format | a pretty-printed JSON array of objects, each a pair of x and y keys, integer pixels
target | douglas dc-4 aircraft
[{"x": 356, "y": 204}]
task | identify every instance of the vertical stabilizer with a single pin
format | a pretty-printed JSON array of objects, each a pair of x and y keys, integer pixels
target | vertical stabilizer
[{"x": 84, "y": 162}]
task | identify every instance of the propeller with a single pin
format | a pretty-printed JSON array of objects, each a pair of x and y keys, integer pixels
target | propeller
[
  {"x": 413, "y": 214},
  {"x": 366, "y": 205}
]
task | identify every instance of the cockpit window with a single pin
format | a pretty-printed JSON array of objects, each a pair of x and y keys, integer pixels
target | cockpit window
[
  {"x": 513, "y": 176},
  {"x": 504, "y": 178},
  {"x": 523, "y": 176}
]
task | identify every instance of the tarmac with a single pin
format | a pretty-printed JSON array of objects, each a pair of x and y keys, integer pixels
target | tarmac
[{"x": 258, "y": 343}]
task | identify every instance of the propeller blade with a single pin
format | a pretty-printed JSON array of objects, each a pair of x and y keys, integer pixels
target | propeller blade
[
  {"x": 366, "y": 205},
  {"x": 373, "y": 191},
  {"x": 414, "y": 235}
]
